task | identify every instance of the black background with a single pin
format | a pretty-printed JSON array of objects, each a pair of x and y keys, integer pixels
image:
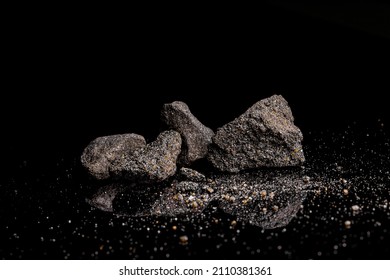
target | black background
[
  {"x": 74, "y": 76},
  {"x": 76, "y": 73}
]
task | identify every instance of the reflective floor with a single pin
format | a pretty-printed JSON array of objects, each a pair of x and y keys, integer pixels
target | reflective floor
[{"x": 335, "y": 207}]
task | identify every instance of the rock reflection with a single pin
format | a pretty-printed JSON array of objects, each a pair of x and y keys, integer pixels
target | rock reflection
[{"x": 264, "y": 198}]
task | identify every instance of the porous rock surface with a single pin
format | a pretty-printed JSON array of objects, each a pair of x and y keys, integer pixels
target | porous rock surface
[
  {"x": 153, "y": 163},
  {"x": 264, "y": 136},
  {"x": 196, "y": 136},
  {"x": 102, "y": 155}
]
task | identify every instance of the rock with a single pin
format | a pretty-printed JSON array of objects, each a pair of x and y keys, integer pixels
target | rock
[
  {"x": 191, "y": 175},
  {"x": 153, "y": 163},
  {"x": 104, "y": 197},
  {"x": 264, "y": 136},
  {"x": 100, "y": 156},
  {"x": 196, "y": 136}
]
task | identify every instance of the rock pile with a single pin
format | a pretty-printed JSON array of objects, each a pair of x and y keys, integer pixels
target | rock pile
[{"x": 263, "y": 136}]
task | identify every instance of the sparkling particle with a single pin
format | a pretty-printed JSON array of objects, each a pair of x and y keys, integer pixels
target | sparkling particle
[
  {"x": 343, "y": 181},
  {"x": 355, "y": 208},
  {"x": 210, "y": 190},
  {"x": 306, "y": 179},
  {"x": 183, "y": 240}
]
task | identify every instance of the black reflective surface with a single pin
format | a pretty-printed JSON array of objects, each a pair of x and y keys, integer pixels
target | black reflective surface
[{"x": 44, "y": 213}]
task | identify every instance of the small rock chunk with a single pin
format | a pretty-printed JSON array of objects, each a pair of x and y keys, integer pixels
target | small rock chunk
[
  {"x": 101, "y": 156},
  {"x": 196, "y": 136},
  {"x": 154, "y": 163},
  {"x": 188, "y": 174}
]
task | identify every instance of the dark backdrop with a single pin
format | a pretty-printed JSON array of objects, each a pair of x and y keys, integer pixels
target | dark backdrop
[
  {"x": 72, "y": 74},
  {"x": 73, "y": 77}
]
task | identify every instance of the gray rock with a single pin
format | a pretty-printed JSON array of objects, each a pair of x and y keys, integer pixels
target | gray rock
[
  {"x": 264, "y": 136},
  {"x": 104, "y": 197},
  {"x": 196, "y": 136},
  {"x": 153, "y": 163},
  {"x": 100, "y": 156},
  {"x": 191, "y": 175}
]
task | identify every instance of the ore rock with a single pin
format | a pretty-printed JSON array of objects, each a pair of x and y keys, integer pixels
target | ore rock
[
  {"x": 103, "y": 153},
  {"x": 264, "y": 136},
  {"x": 196, "y": 136},
  {"x": 153, "y": 163},
  {"x": 191, "y": 175},
  {"x": 104, "y": 197}
]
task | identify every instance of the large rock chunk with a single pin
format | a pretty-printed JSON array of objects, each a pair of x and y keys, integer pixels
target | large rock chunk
[
  {"x": 153, "y": 163},
  {"x": 196, "y": 136},
  {"x": 264, "y": 136},
  {"x": 102, "y": 154}
]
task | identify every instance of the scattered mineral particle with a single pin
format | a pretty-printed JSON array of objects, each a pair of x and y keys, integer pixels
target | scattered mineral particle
[
  {"x": 347, "y": 224},
  {"x": 191, "y": 175},
  {"x": 251, "y": 205},
  {"x": 137, "y": 200},
  {"x": 244, "y": 196},
  {"x": 153, "y": 163},
  {"x": 103, "y": 154},
  {"x": 196, "y": 136},
  {"x": 355, "y": 208},
  {"x": 265, "y": 135},
  {"x": 184, "y": 198},
  {"x": 183, "y": 240},
  {"x": 343, "y": 181},
  {"x": 306, "y": 179}
]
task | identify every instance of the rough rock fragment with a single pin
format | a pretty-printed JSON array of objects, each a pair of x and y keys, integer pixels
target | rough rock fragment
[
  {"x": 191, "y": 175},
  {"x": 264, "y": 136},
  {"x": 196, "y": 136},
  {"x": 104, "y": 197},
  {"x": 153, "y": 163},
  {"x": 104, "y": 153}
]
